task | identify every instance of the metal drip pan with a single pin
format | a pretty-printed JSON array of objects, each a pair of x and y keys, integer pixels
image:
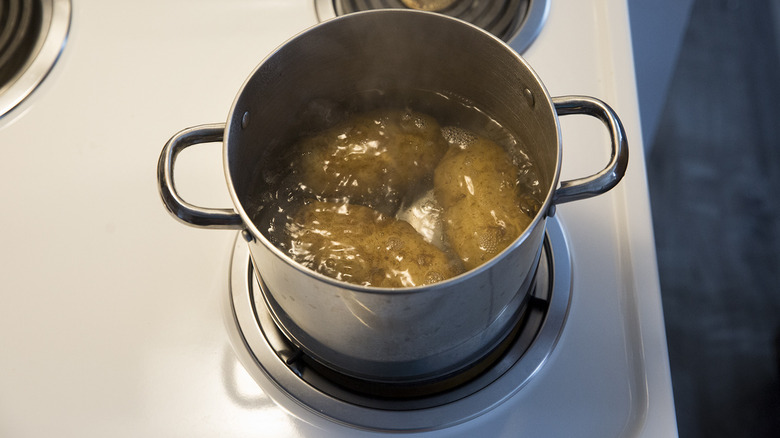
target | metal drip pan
[{"x": 274, "y": 361}]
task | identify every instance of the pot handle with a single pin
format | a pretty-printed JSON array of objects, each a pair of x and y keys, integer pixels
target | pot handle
[
  {"x": 216, "y": 218},
  {"x": 609, "y": 177}
]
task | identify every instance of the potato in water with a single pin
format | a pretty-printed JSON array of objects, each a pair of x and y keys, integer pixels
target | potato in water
[
  {"x": 476, "y": 185},
  {"x": 371, "y": 159},
  {"x": 358, "y": 245}
]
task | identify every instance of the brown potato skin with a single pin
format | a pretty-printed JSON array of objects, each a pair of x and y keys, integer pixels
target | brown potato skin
[
  {"x": 476, "y": 186},
  {"x": 358, "y": 245},
  {"x": 373, "y": 158}
]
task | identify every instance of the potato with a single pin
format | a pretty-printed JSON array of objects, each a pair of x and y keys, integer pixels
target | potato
[
  {"x": 476, "y": 184},
  {"x": 358, "y": 245},
  {"x": 372, "y": 159}
]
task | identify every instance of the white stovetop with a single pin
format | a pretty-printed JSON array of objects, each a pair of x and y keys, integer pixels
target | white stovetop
[{"x": 111, "y": 321}]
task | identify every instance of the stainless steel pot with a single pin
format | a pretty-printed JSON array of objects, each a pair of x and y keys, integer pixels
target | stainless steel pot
[{"x": 380, "y": 334}]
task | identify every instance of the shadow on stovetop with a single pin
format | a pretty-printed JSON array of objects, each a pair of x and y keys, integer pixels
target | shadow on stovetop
[{"x": 714, "y": 174}]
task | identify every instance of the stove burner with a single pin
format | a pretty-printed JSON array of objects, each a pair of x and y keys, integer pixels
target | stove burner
[
  {"x": 277, "y": 365},
  {"x": 20, "y": 23},
  {"x": 31, "y": 38},
  {"x": 516, "y": 20}
]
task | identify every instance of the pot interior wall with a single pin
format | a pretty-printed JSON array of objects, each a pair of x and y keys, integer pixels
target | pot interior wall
[{"x": 378, "y": 58}]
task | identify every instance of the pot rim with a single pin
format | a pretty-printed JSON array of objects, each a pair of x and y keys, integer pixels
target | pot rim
[{"x": 547, "y": 208}]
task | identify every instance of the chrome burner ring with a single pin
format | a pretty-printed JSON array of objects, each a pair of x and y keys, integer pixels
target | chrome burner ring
[{"x": 275, "y": 367}]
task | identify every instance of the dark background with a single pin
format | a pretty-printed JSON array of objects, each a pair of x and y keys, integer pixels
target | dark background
[{"x": 714, "y": 174}]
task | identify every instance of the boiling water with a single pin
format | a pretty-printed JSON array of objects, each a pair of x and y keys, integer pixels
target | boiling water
[{"x": 398, "y": 186}]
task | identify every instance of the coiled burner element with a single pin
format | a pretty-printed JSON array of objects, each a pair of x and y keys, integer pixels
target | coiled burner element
[
  {"x": 503, "y": 19},
  {"x": 32, "y": 35},
  {"x": 20, "y": 23}
]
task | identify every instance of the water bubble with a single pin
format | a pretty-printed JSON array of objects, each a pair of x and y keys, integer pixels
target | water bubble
[
  {"x": 489, "y": 239},
  {"x": 394, "y": 243},
  {"x": 433, "y": 277},
  {"x": 424, "y": 259},
  {"x": 458, "y": 136},
  {"x": 429, "y": 207}
]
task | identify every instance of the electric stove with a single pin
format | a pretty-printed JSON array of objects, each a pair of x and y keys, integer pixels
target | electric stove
[{"x": 119, "y": 321}]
